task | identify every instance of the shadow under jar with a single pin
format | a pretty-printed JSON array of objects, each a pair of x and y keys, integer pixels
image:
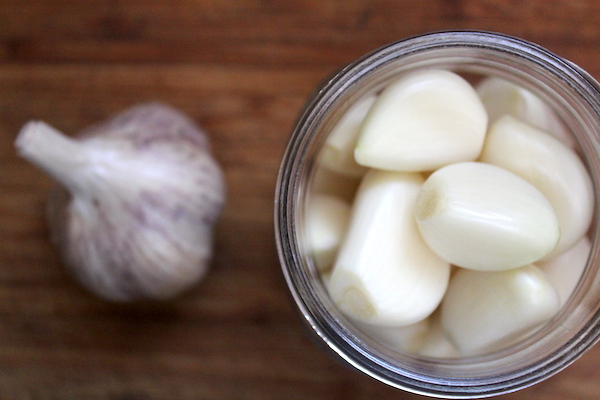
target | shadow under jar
[{"x": 573, "y": 95}]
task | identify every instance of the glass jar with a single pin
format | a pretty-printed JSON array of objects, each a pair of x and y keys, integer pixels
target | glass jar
[{"x": 575, "y": 97}]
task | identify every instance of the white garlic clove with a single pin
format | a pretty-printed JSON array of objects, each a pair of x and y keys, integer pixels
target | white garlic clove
[
  {"x": 435, "y": 343},
  {"x": 384, "y": 273},
  {"x": 565, "y": 270},
  {"x": 141, "y": 196},
  {"x": 337, "y": 153},
  {"x": 408, "y": 339},
  {"x": 423, "y": 121},
  {"x": 484, "y": 311},
  {"x": 479, "y": 216},
  {"x": 326, "y": 219},
  {"x": 550, "y": 166},
  {"x": 501, "y": 97}
]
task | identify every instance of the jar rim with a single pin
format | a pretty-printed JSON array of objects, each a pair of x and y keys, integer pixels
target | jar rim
[{"x": 525, "y": 59}]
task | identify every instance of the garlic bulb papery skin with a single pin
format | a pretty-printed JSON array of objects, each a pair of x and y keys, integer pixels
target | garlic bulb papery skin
[
  {"x": 482, "y": 217},
  {"x": 423, "y": 121},
  {"x": 326, "y": 220},
  {"x": 385, "y": 274},
  {"x": 138, "y": 198},
  {"x": 565, "y": 270},
  {"x": 483, "y": 311},
  {"x": 553, "y": 168},
  {"x": 337, "y": 153},
  {"x": 501, "y": 97}
]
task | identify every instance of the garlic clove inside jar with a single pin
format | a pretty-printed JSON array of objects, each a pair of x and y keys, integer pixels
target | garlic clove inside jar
[
  {"x": 484, "y": 311},
  {"x": 482, "y": 217},
  {"x": 338, "y": 151},
  {"x": 422, "y": 121},
  {"x": 384, "y": 273},
  {"x": 501, "y": 97},
  {"x": 566, "y": 269},
  {"x": 326, "y": 223},
  {"x": 552, "y": 167}
]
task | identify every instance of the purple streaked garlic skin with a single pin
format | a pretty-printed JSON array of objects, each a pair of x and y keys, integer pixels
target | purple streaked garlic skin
[{"x": 137, "y": 199}]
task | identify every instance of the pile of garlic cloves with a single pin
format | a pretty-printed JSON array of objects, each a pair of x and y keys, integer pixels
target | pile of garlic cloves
[
  {"x": 136, "y": 202},
  {"x": 455, "y": 214}
]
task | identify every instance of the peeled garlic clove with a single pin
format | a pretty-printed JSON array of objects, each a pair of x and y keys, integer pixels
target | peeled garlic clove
[
  {"x": 326, "y": 223},
  {"x": 435, "y": 343},
  {"x": 479, "y": 216},
  {"x": 483, "y": 311},
  {"x": 338, "y": 151},
  {"x": 423, "y": 121},
  {"x": 138, "y": 200},
  {"x": 501, "y": 97},
  {"x": 385, "y": 274},
  {"x": 550, "y": 166},
  {"x": 565, "y": 270},
  {"x": 400, "y": 338}
]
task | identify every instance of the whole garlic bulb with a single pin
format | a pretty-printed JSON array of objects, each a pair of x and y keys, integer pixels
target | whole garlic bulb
[{"x": 139, "y": 195}]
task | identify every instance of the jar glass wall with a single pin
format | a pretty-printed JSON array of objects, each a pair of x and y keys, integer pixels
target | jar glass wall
[{"x": 574, "y": 96}]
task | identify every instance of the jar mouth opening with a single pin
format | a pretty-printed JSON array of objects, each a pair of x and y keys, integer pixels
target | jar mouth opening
[{"x": 573, "y": 94}]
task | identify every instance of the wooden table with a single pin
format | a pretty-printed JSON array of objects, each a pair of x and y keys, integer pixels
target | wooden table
[{"x": 242, "y": 69}]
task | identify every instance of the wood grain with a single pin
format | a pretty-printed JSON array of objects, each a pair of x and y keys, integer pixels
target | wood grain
[{"x": 242, "y": 69}]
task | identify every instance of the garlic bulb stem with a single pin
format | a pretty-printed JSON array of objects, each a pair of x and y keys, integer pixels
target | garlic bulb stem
[{"x": 53, "y": 152}]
